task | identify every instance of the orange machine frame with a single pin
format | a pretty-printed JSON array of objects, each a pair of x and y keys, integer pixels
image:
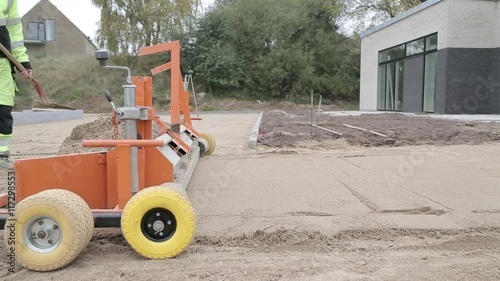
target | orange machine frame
[
  {"x": 103, "y": 179},
  {"x": 179, "y": 103}
]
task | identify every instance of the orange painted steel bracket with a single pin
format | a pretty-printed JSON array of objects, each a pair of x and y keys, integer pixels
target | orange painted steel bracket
[
  {"x": 116, "y": 143},
  {"x": 161, "y": 68},
  {"x": 192, "y": 130},
  {"x": 84, "y": 174},
  {"x": 163, "y": 126},
  {"x": 179, "y": 98},
  {"x": 124, "y": 175},
  {"x": 165, "y": 129}
]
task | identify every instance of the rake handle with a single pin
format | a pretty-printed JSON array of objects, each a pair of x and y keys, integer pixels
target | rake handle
[
  {"x": 12, "y": 58},
  {"x": 19, "y": 66}
]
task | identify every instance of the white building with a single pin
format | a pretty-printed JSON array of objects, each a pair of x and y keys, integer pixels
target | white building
[{"x": 439, "y": 57}]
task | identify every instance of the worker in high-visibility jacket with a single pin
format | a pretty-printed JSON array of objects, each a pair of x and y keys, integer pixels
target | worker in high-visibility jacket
[{"x": 11, "y": 37}]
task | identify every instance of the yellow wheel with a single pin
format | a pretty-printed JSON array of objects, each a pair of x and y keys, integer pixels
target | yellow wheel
[
  {"x": 210, "y": 140},
  {"x": 158, "y": 222},
  {"x": 51, "y": 229}
]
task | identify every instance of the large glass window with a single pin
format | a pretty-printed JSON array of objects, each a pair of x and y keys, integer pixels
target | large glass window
[
  {"x": 415, "y": 47},
  {"x": 400, "y": 76},
  {"x": 389, "y": 86},
  {"x": 42, "y": 31},
  {"x": 36, "y": 31},
  {"x": 432, "y": 42},
  {"x": 50, "y": 30},
  {"x": 382, "y": 74},
  {"x": 392, "y": 68},
  {"x": 430, "y": 81},
  {"x": 392, "y": 54}
]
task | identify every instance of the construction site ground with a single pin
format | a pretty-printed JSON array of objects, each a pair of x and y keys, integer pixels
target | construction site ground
[{"x": 325, "y": 208}]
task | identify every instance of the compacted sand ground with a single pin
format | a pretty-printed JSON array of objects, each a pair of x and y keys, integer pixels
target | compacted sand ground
[{"x": 301, "y": 208}]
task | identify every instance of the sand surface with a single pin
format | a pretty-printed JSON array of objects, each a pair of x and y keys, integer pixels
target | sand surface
[{"x": 318, "y": 211}]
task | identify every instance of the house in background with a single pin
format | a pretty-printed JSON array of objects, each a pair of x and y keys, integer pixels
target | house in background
[
  {"x": 48, "y": 31},
  {"x": 442, "y": 56}
]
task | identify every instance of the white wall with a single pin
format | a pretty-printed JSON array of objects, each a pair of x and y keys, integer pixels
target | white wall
[
  {"x": 472, "y": 24},
  {"x": 431, "y": 20}
]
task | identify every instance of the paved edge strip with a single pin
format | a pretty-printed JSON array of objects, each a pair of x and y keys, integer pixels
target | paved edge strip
[
  {"x": 27, "y": 117},
  {"x": 255, "y": 131}
]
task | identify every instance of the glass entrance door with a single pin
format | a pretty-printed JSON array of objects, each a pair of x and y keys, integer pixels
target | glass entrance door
[
  {"x": 391, "y": 73},
  {"x": 430, "y": 82},
  {"x": 391, "y": 82}
]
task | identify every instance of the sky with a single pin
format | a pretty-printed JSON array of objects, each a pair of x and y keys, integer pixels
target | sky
[{"x": 81, "y": 12}]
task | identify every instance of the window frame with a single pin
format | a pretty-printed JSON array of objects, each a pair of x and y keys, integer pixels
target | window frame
[
  {"x": 38, "y": 25},
  {"x": 45, "y": 26},
  {"x": 424, "y": 54},
  {"x": 424, "y": 39},
  {"x": 406, "y": 47}
]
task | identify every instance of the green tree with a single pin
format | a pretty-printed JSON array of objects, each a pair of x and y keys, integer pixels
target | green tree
[
  {"x": 277, "y": 49},
  {"x": 368, "y": 13},
  {"x": 126, "y": 26}
]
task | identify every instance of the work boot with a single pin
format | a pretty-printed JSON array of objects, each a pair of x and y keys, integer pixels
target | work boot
[{"x": 6, "y": 162}]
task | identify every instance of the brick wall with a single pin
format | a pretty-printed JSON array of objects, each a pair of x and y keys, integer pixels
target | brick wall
[{"x": 472, "y": 81}]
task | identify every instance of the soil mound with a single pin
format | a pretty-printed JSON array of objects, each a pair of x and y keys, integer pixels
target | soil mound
[{"x": 100, "y": 129}]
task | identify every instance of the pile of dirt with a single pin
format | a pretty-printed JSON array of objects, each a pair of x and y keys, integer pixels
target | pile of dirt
[
  {"x": 100, "y": 129},
  {"x": 293, "y": 130}
]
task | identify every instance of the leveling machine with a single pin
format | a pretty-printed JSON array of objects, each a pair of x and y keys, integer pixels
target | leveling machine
[{"x": 138, "y": 185}]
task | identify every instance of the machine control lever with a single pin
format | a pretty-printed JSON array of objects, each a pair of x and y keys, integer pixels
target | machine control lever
[{"x": 110, "y": 100}]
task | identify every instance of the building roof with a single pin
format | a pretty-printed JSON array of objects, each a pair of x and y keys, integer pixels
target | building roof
[
  {"x": 401, "y": 17},
  {"x": 55, "y": 7}
]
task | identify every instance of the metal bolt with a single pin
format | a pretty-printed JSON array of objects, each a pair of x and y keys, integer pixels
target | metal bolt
[
  {"x": 169, "y": 222},
  {"x": 50, "y": 241},
  {"x": 161, "y": 233},
  {"x": 41, "y": 234},
  {"x": 40, "y": 222},
  {"x": 149, "y": 225},
  {"x": 157, "y": 214},
  {"x": 158, "y": 226}
]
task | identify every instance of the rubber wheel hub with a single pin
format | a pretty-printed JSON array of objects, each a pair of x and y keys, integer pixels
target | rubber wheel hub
[{"x": 158, "y": 224}]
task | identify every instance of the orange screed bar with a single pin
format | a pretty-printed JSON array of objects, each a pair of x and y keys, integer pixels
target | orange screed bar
[{"x": 115, "y": 143}]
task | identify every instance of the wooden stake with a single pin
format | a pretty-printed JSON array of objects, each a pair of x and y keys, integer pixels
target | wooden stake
[
  {"x": 364, "y": 130},
  {"x": 327, "y": 130}
]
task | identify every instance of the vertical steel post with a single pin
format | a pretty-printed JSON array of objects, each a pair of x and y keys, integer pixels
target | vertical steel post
[
  {"x": 131, "y": 134},
  {"x": 319, "y": 113},
  {"x": 312, "y": 111}
]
